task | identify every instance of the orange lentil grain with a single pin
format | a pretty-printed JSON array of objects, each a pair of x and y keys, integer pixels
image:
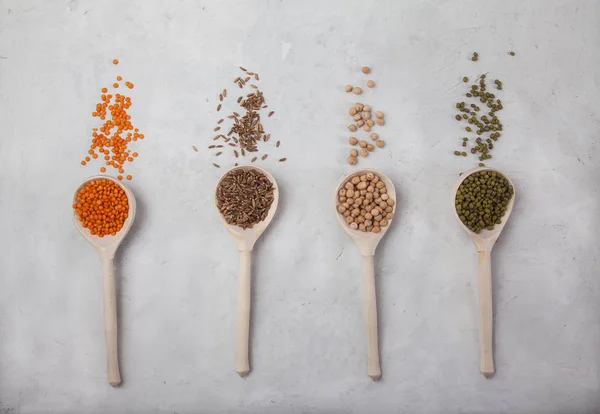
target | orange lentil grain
[
  {"x": 115, "y": 62},
  {"x": 102, "y": 207},
  {"x": 112, "y": 138},
  {"x": 128, "y": 177},
  {"x": 102, "y": 169},
  {"x": 115, "y": 85},
  {"x": 120, "y": 177}
]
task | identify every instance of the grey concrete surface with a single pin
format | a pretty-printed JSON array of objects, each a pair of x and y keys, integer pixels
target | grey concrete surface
[{"x": 177, "y": 271}]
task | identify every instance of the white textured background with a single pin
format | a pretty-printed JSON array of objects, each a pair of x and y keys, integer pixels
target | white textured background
[{"x": 177, "y": 272}]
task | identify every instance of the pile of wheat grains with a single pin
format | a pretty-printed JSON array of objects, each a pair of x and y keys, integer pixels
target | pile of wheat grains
[
  {"x": 244, "y": 197},
  {"x": 246, "y": 131}
]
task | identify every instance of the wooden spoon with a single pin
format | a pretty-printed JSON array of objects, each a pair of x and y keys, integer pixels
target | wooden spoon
[
  {"x": 245, "y": 239},
  {"x": 484, "y": 242},
  {"x": 367, "y": 243},
  {"x": 106, "y": 248}
]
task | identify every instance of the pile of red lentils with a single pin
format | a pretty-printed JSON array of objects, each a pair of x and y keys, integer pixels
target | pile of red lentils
[
  {"x": 111, "y": 140},
  {"x": 102, "y": 206}
]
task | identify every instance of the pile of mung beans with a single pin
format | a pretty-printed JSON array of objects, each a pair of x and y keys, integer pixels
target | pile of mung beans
[{"x": 482, "y": 198}]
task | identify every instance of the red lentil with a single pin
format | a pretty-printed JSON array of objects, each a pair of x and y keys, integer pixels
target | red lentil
[
  {"x": 102, "y": 207},
  {"x": 111, "y": 140}
]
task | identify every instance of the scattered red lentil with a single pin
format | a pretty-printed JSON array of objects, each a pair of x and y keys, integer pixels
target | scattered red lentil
[
  {"x": 115, "y": 62},
  {"x": 119, "y": 78},
  {"x": 102, "y": 207},
  {"x": 111, "y": 140}
]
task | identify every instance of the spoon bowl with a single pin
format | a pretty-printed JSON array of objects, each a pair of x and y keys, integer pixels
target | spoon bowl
[
  {"x": 367, "y": 243},
  {"x": 245, "y": 240},
  {"x": 484, "y": 242},
  {"x": 106, "y": 243},
  {"x": 365, "y": 240},
  {"x": 106, "y": 247},
  {"x": 485, "y": 238}
]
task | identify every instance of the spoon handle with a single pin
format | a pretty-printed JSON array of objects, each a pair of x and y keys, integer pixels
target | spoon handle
[
  {"x": 486, "y": 324},
  {"x": 374, "y": 370},
  {"x": 242, "y": 366},
  {"x": 110, "y": 320}
]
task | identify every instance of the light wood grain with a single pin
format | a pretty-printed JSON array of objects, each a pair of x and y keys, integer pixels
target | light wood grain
[
  {"x": 245, "y": 240},
  {"x": 110, "y": 319},
  {"x": 367, "y": 244},
  {"x": 242, "y": 363},
  {"x": 106, "y": 248},
  {"x": 484, "y": 243},
  {"x": 373, "y": 367},
  {"x": 486, "y": 357}
]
